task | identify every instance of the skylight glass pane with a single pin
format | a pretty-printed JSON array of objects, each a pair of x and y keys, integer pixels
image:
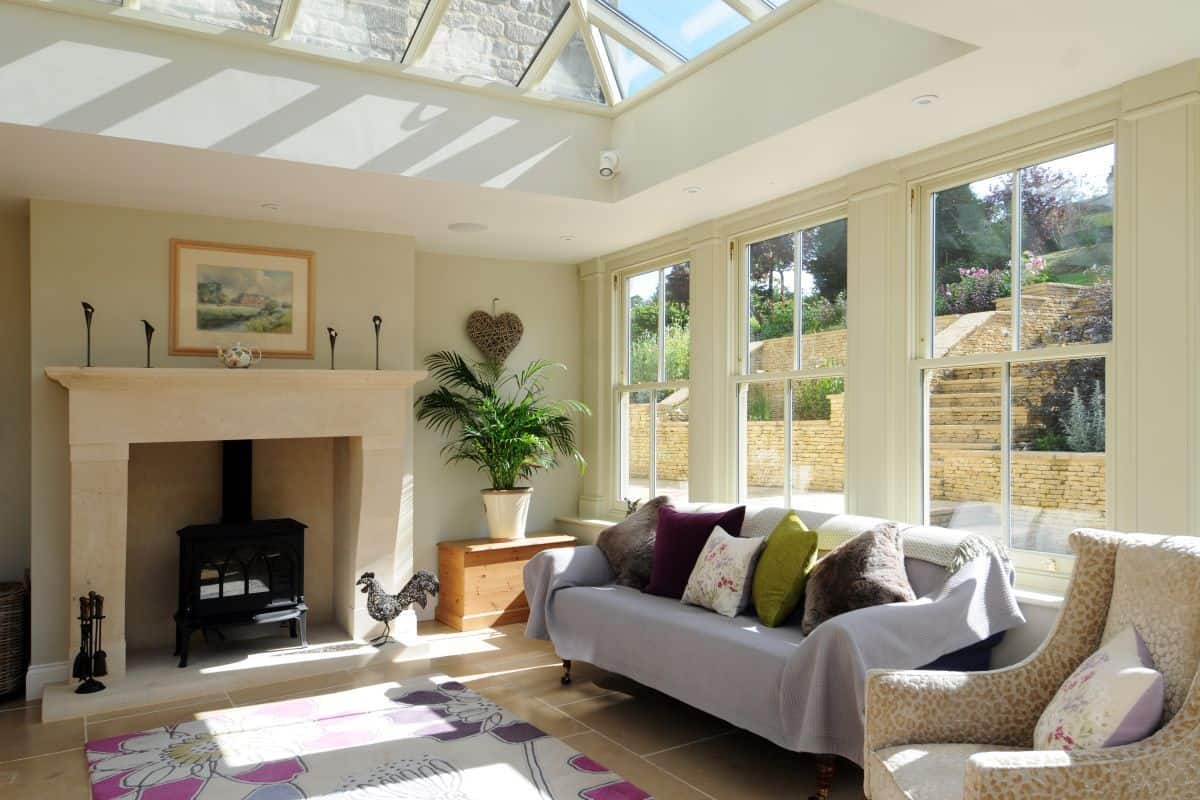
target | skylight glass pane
[
  {"x": 633, "y": 72},
  {"x": 491, "y": 40},
  {"x": 573, "y": 75},
  {"x": 372, "y": 28},
  {"x": 255, "y": 16},
  {"x": 687, "y": 26}
]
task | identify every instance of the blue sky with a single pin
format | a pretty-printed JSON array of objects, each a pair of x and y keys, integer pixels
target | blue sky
[{"x": 688, "y": 26}]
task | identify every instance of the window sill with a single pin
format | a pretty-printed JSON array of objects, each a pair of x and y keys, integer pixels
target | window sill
[{"x": 1027, "y": 597}]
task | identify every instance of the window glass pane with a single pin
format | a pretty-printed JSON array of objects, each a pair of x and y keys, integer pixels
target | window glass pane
[
  {"x": 633, "y": 73},
  {"x": 819, "y": 445},
  {"x": 771, "y": 282},
  {"x": 635, "y": 423},
  {"x": 255, "y": 16},
  {"x": 963, "y": 449},
  {"x": 1058, "y": 462},
  {"x": 1067, "y": 250},
  {"x": 671, "y": 444},
  {"x": 677, "y": 284},
  {"x": 573, "y": 75},
  {"x": 689, "y": 27},
  {"x": 491, "y": 40},
  {"x": 763, "y": 454},
  {"x": 642, "y": 312},
  {"x": 823, "y": 289},
  {"x": 972, "y": 246},
  {"x": 371, "y": 28}
]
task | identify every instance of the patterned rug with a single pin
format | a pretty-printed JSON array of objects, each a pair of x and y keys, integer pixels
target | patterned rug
[{"x": 423, "y": 740}]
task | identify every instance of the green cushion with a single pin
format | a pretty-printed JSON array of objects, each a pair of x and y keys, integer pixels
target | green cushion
[{"x": 783, "y": 568}]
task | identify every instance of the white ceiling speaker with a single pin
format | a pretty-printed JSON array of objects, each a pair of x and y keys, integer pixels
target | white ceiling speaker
[{"x": 610, "y": 164}]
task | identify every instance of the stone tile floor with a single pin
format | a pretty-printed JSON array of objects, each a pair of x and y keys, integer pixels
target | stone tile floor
[{"x": 669, "y": 749}]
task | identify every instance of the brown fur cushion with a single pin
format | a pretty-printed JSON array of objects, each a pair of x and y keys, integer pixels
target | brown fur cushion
[
  {"x": 629, "y": 545},
  {"x": 866, "y": 571}
]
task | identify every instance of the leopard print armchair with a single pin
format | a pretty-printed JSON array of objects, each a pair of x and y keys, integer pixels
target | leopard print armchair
[{"x": 969, "y": 736}]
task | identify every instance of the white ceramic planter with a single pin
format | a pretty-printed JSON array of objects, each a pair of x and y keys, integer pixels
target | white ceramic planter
[{"x": 507, "y": 511}]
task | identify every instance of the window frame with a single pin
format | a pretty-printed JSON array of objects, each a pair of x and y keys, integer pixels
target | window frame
[
  {"x": 738, "y": 374},
  {"x": 1040, "y": 570},
  {"x": 622, "y": 385}
]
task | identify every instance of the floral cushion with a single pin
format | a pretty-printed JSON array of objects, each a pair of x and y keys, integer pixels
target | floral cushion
[
  {"x": 1114, "y": 697},
  {"x": 724, "y": 573}
]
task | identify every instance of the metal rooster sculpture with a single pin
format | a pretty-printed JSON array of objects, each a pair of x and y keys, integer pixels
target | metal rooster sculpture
[{"x": 386, "y": 607}]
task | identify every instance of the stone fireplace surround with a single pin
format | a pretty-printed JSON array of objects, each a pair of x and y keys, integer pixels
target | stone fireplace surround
[{"x": 367, "y": 413}]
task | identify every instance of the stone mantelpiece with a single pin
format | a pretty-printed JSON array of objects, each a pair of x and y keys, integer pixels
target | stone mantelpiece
[{"x": 368, "y": 412}]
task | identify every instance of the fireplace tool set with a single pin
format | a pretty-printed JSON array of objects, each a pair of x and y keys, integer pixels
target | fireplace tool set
[{"x": 91, "y": 661}]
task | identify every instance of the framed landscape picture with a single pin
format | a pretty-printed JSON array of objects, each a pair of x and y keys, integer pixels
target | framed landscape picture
[{"x": 223, "y": 293}]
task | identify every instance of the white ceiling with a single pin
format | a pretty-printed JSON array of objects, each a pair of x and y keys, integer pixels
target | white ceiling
[{"x": 1027, "y": 56}]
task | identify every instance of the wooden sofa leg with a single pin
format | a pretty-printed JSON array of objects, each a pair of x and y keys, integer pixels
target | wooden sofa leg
[
  {"x": 566, "y": 678},
  {"x": 826, "y": 766}
]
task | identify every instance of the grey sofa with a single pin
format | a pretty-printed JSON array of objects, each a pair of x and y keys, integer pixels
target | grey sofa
[{"x": 805, "y": 694}]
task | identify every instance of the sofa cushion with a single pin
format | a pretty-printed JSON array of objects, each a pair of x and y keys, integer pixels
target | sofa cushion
[
  {"x": 1114, "y": 697},
  {"x": 629, "y": 545},
  {"x": 783, "y": 569},
  {"x": 867, "y": 570},
  {"x": 921, "y": 771},
  {"x": 677, "y": 544},
  {"x": 723, "y": 574}
]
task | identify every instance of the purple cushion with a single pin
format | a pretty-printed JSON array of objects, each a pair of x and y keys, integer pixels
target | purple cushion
[{"x": 680, "y": 538}]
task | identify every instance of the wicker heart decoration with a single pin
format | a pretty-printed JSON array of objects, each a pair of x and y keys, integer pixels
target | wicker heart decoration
[{"x": 495, "y": 337}]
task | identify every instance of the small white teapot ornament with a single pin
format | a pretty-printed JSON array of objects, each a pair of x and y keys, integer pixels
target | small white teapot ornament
[{"x": 239, "y": 357}]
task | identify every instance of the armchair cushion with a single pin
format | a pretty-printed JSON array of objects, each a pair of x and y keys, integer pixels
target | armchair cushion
[
  {"x": 921, "y": 771},
  {"x": 1115, "y": 697}
]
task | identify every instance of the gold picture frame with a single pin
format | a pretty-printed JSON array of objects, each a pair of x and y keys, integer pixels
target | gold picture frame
[{"x": 222, "y": 294}]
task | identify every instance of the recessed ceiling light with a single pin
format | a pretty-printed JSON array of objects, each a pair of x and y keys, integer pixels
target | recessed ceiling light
[
  {"x": 270, "y": 205},
  {"x": 693, "y": 189},
  {"x": 567, "y": 237},
  {"x": 925, "y": 99},
  {"x": 467, "y": 227}
]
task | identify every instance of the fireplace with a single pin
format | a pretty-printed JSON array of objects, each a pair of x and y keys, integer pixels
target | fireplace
[{"x": 240, "y": 571}]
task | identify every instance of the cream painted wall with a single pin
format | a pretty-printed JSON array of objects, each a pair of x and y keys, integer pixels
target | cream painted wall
[
  {"x": 118, "y": 260},
  {"x": 547, "y": 298},
  {"x": 14, "y": 397}
]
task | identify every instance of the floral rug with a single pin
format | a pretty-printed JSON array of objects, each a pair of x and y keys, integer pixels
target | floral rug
[{"x": 422, "y": 740}]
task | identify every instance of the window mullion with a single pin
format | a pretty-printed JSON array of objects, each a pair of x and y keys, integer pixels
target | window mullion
[
  {"x": 652, "y": 467},
  {"x": 787, "y": 443},
  {"x": 1006, "y": 454},
  {"x": 797, "y": 302},
  {"x": 1016, "y": 268},
  {"x": 662, "y": 325}
]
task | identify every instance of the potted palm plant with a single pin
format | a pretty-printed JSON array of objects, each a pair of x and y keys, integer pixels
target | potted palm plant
[{"x": 502, "y": 422}]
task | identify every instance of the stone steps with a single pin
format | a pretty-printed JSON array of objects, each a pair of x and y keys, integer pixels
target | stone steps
[
  {"x": 943, "y": 399},
  {"x": 964, "y": 433}
]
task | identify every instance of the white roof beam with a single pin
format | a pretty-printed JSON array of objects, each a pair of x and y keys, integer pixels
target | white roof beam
[
  {"x": 633, "y": 37},
  {"x": 285, "y": 22},
  {"x": 750, "y": 9},
  {"x": 426, "y": 27},
  {"x": 550, "y": 51},
  {"x": 134, "y": 4},
  {"x": 596, "y": 51}
]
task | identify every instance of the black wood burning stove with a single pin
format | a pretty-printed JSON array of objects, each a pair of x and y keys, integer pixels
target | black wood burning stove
[{"x": 240, "y": 571}]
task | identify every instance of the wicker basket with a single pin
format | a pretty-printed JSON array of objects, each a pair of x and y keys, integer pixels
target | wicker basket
[{"x": 12, "y": 637}]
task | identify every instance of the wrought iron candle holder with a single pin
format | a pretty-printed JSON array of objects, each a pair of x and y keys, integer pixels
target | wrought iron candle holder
[
  {"x": 149, "y": 336},
  {"x": 88, "y": 311},
  {"x": 377, "y": 321},
  {"x": 91, "y": 661},
  {"x": 333, "y": 334}
]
